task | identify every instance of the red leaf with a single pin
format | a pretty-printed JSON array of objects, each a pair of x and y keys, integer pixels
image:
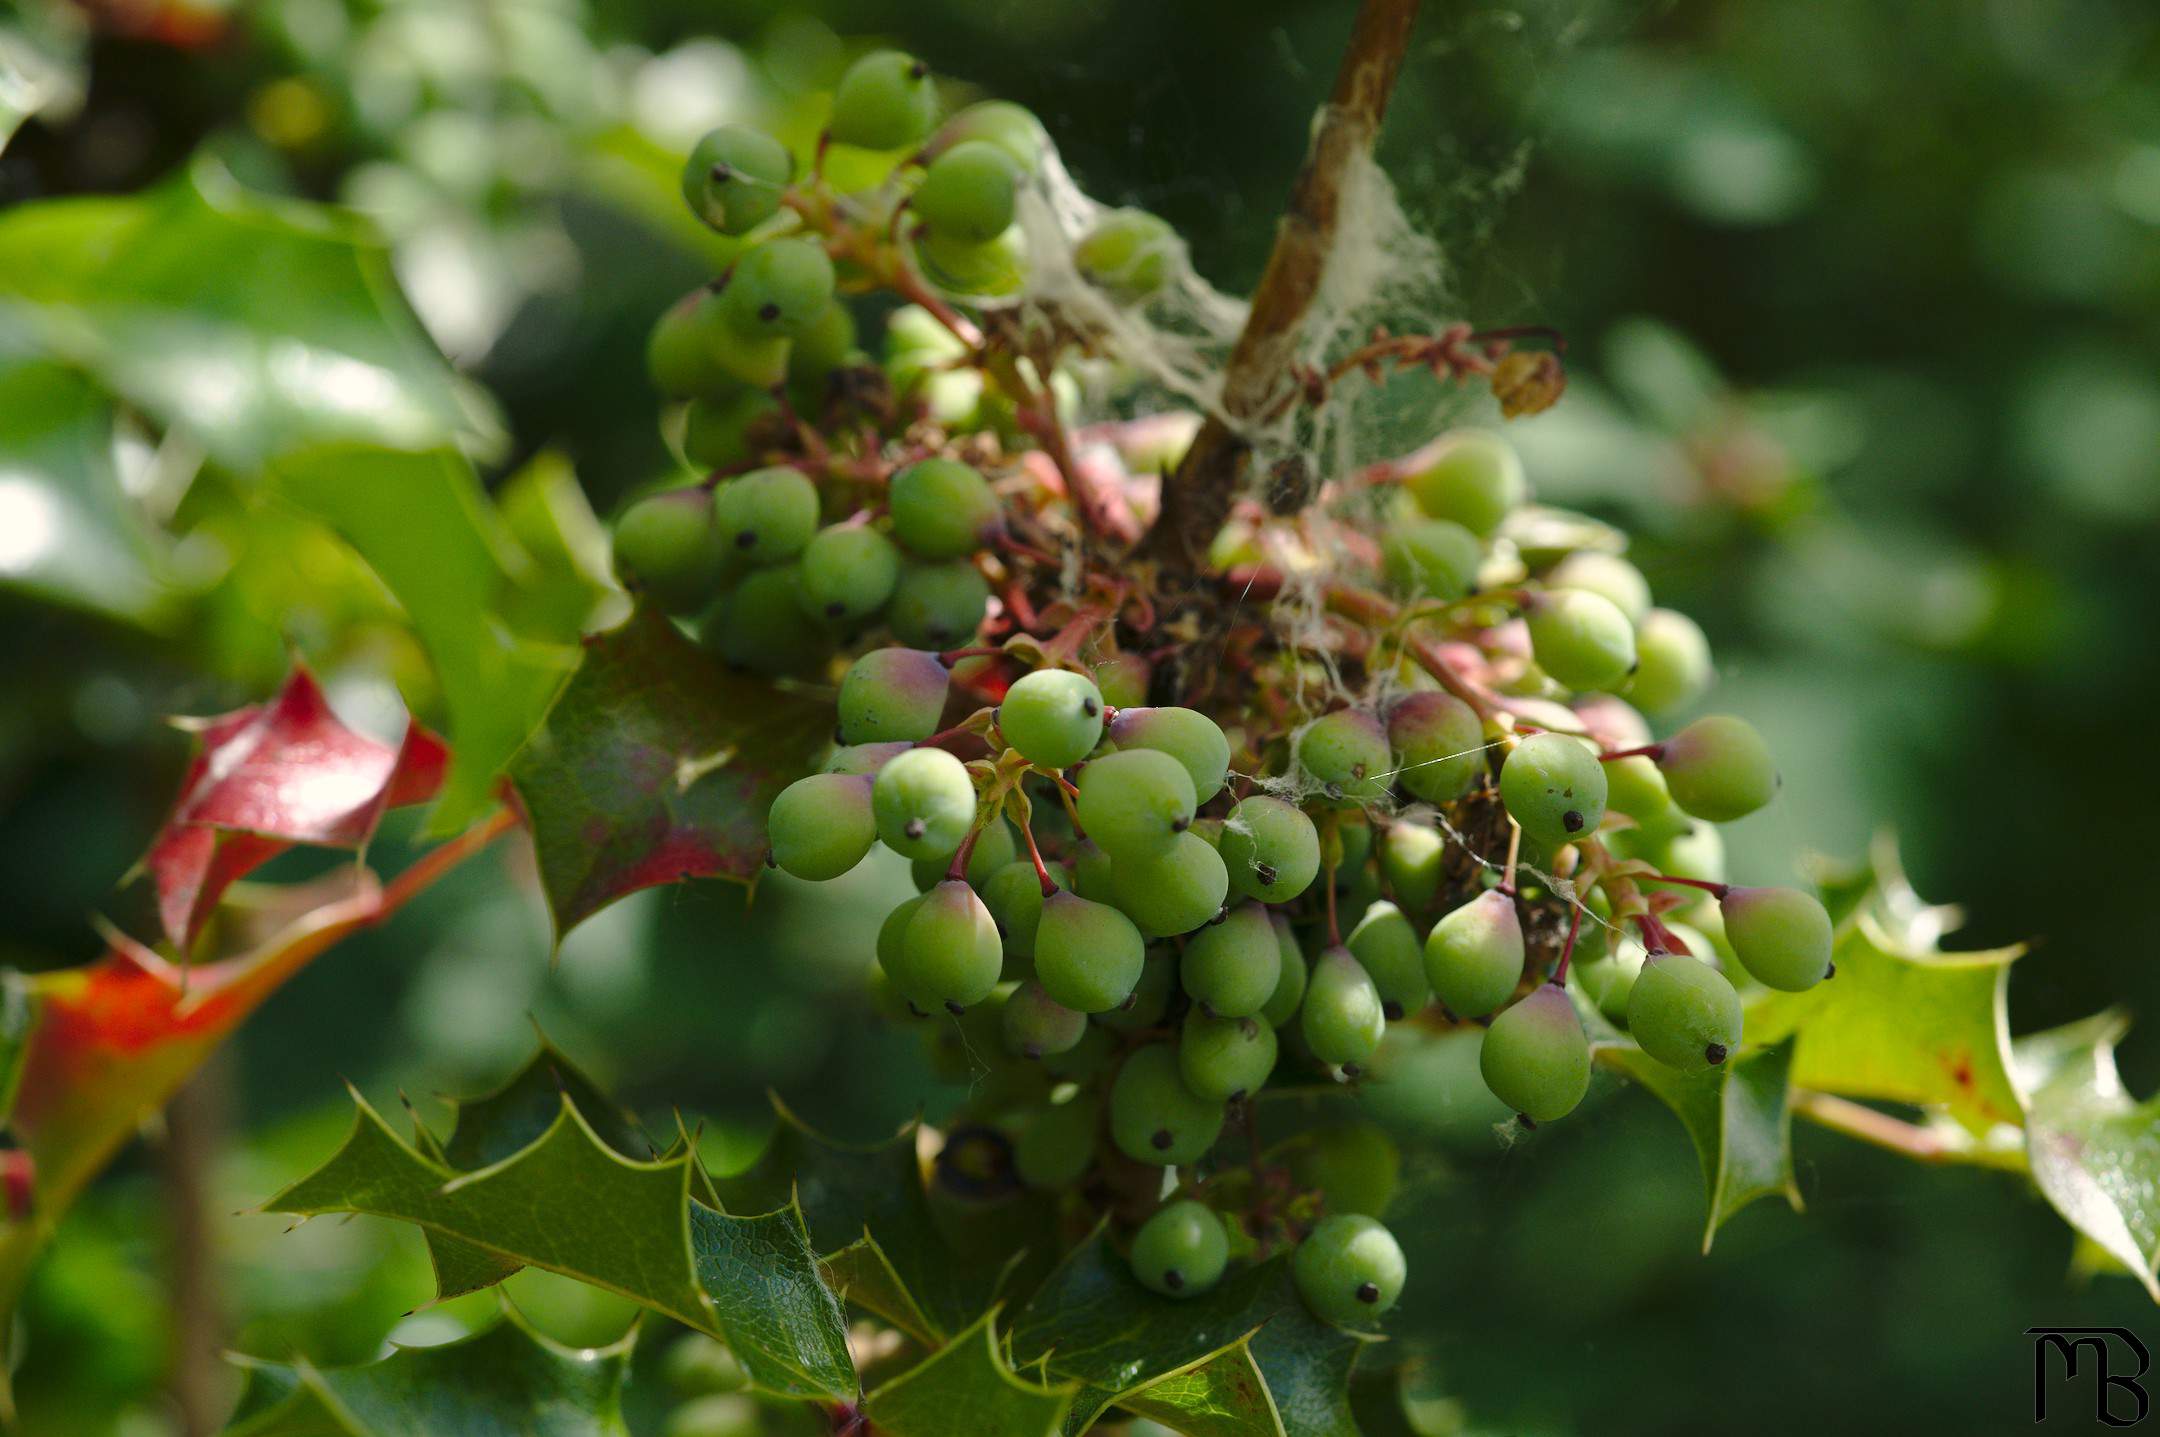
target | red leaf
[{"x": 270, "y": 776}]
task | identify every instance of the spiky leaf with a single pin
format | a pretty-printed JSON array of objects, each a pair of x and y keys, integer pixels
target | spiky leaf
[{"x": 968, "y": 1386}]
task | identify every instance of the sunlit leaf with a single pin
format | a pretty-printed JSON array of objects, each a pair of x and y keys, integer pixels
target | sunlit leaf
[
  {"x": 2095, "y": 1150},
  {"x": 657, "y": 765},
  {"x": 506, "y": 1381},
  {"x": 967, "y": 1386}
]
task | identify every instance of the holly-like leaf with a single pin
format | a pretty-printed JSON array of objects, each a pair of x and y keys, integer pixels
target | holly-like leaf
[
  {"x": 273, "y": 775},
  {"x": 1091, "y": 1321},
  {"x": 505, "y": 1381},
  {"x": 565, "y": 579},
  {"x": 68, "y": 533},
  {"x": 2094, "y": 1150},
  {"x": 1224, "y": 1396},
  {"x": 968, "y": 1386},
  {"x": 1737, "y": 1117},
  {"x": 1901, "y": 1019},
  {"x": 570, "y": 1203},
  {"x": 870, "y": 1220},
  {"x": 657, "y": 765},
  {"x": 257, "y": 325},
  {"x": 423, "y": 524}
]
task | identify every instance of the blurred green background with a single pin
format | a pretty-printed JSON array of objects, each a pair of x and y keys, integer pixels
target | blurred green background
[{"x": 1863, "y": 309}]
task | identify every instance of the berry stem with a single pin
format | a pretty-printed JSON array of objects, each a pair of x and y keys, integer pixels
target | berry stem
[
  {"x": 1652, "y": 751},
  {"x": 1657, "y": 938},
  {"x": 1715, "y": 890},
  {"x": 1042, "y": 870},
  {"x": 1514, "y": 851},
  {"x": 1567, "y": 948}
]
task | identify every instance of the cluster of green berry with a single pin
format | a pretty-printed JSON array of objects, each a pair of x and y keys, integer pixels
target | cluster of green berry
[{"x": 1168, "y": 854}]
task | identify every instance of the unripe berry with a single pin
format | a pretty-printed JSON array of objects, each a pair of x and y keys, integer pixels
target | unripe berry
[
  {"x": 1346, "y": 753},
  {"x": 1410, "y": 859},
  {"x": 1014, "y": 896},
  {"x": 1434, "y": 558},
  {"x": 1135, "y": 803},
  {"x": 1535, "y": 1056},
  {"x": 1012, "y": 128},
  {"x": 718, "y": 433},
  {"x": 1684, "y": 1013},
  {"x": 1439, "y": 745},
  {"x": 864, "y": 758},
  {"x": 669, "y": 545},
  {"x": 1608, "y": 576},
  {"x": 925, "y": 803},
  {"x": 942, "y": 509},
  {"x": 968, "y": 191},
  {"x": 1225, "y": 1058},
  {"x": 1780, "y": 935},
  {"x": 1181, "y": 1251},
  {"x": 1719, "y": 768},
  {"x": 892, "y": 693},
  {"x": 1580, "y": 639},
  {"x": 1474, "y": 956},
  {"x": 1471, "y": 477},
  {"x": 1129, "y": 253},
  {"x": 1282, "y": 1004},
  {"x": 848, "y": 572},
  {"x": 1149, "y": 1003},
  {"x": 1034, "y": 1023},
  {"x": 1190, "y": 737},
  {"x": 938, "y": 605},
  {"x": 1342, "y": 1021},
  {"x": 1554, "y": 787},
  {"x": 734, "y": 176},
  {"x": 950, "y": 955},
  {"x": 1270, "y": 848},
  {"x": 1231, "y": 969},
  {"x": 821, "y": 826},
  {"x": 1672, "y": 662},
  {"x": 1123, "y": 679},
  {"x": 1054, "y": 717},
  {"x": 1349, "y": 1270},
  {"x": 1175, "y": 891},
  {"x": 884, "y": 101},
  {"x": 779, "y": 289},
  {"x": 766, "y": 516},
  {"x": 762, "y": 625},
  {"x": 1057, "y": 1143},
  {"x": 1154, "y": 1117},
  {"x": 1355, "y": 1167},
  {"x": 1088, "y": 955},
  {"x": 1387, "y": 947}
]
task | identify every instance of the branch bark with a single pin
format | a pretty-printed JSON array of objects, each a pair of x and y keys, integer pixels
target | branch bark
[{"x": 1197, "y": 498}]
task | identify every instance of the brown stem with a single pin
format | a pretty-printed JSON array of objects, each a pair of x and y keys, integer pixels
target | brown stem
[
  {"x": 1857, "y": 1120},
  {"x": 1197, "y": 498},
  {"x": 195, "y": 1122}
]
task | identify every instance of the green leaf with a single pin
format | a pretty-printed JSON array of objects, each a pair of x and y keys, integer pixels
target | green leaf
[
  {"x": 967, "y": 1386},
  {"x": 68, "y": 533},
  {"x": 564, "y": 575},
  {"x": 256, "y": 325},
  {"x": 423, "y": 524},
  {"x": 869, "y": 1218},
  {"x": 1223, "y": 1396},
  {"x": 1902, "y": 1020},
  {"x": 571, "y": 1204},
  {"x": 506, "y": 1381},
  {"x": 1737, "y": 1117},
  {"x": 2094, "y": 1150},
  {"x": 657, "y": 765},
  {"x": 1091, "y": 1321}
]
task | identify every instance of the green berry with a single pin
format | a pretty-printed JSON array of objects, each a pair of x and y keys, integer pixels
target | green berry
[
  {"x": 828, "y": 344},
  {"x": 1684, "y": 1013},
  {"x": 1554, "y": 787},
  {"x": 1780, "y": 935},
  {"x": 1342, "y": 1020},
  {"x": 892, "y": 693},
  {"x": 1346, "y": 754},
  {"x": 1057, "y": 1143},
  {"x": 734, "y": 177},
  {"x": 1136, "y": 802},
  {"x": 925, "y": 803},
  {"x": 1635, "y": 786},
  {"x": 719, "y": 433},
  {"x": 1226, "y": 1058},
  {"x": 779, "y": 289},
  {"x": 1719, "y": 768},
  {"x": 821, "y": 826},
  {"x": 693, "y": 353},
  {"x": 1282, "y": 1004},
  {"x": 1388, "y": 948},
  {"x": 1014, "y": 896},
  {"x": 848, "y": 572},
  {"x": 1154, "y": 1117},
  {"x": 668, "y": 545},
  {"x": 1608, "y": 576},
  {"x": 1672, "y": 662},
  {"x": 1349, "y": 1269},
  {"x": 1172, "y": 892},
  {"x": 1439, "y": 744},
  {"x": 942, "y": 509},
  {"x": 1355, "y": 1167},
  {"x": 968, "y": 192},
  {"x": 993, "y": 268},
  {"x": 886, "y": 100},
  {"x": 1609, "y": 981},
  {"x": 1010, "y": 127},
  {"x": 1181, "y": 1251},
  {"x": 891, "y": 940},
  {"x": 1432, "y": 558},
  {"x": 863, "y": 758},
  {"x": 1474, "y": 956},
  {"x": 1232, "y": 968},
  {"x": 1536, "y": 1058},
  {"x": 1088, "y": 955},
  {"x": 1129, "y": 253},
  {"x": 1470, "y": 477},
  {"x": 1187, "y": 735},
  {"x": 1581, "y": 640},
  {"x": 1054, "y": 717},
  {"x": 1034, "y": 1023},
  {"x": 938, "y": 605},
  {"x": 1271, "y": 849},
  {"x": 1150, "y": 999},
  {"x": 763, "y": 626},
  {"x": 1123, "y": 679},
  {"x": 767, "y": 516},
  {"x": 950, "y": 956},
  {"x": 1411, "y": 857}
]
